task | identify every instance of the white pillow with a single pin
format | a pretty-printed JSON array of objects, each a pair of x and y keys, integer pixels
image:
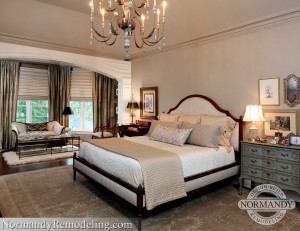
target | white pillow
[
  {"x": 168, "y": 117},
  {"x": 154, "y": 123},
  {"x": 193, "y": 119},
  {"x": 169, "y": 135}
]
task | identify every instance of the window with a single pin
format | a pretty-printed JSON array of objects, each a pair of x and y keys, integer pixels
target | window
[
  {"x": 32, "y": 105},
  {"x": 32, "y": 111},
  {"x": 82, "y": 118},
  {"x": 81, "y": 100}
]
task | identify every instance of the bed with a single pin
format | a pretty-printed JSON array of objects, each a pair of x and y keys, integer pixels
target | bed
[{"x": 122, "y": 175}]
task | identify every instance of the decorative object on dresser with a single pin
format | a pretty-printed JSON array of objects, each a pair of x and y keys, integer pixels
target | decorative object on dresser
[
  {"x": 291, "y": 90},
  {"x": 253, "y": 114},
  {"x": 149, "y": 102},
  {"x": 271, "y": 164},
  {"x": 284, "y": 121},
  {"x": 268, "y": 90}
]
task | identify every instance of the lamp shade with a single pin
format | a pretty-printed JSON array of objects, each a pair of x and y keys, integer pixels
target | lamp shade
[
  {"x": 133, "y": 105},
  {"x": 254, "y": 114},
  {"x": 67, "y": 111}
]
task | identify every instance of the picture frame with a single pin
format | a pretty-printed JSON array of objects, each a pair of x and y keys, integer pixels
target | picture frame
[
  {"x": 291, "y": 90},
  {"x": 149, "y": 102},
  {"x": 284, "y": 121},
  {"x": 268, "y": 91}
]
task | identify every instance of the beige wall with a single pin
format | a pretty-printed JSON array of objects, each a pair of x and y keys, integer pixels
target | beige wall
[{"x": 226, "y": 70}]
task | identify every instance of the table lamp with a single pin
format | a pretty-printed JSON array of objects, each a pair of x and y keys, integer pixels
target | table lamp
[
  {"x": 132, "y": 106},
  {"x": 253, "y": 114},
  {"x": 67, "y": 111}
]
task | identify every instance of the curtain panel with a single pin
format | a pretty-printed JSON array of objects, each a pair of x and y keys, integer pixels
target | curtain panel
[
  {"x": 9, "y": 80},
  {"x": 103, "y": 96},
  {"x": 59, "y": 92}
]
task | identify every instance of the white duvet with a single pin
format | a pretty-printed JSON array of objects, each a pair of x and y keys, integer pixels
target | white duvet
[{"x": 195, "y": 159}]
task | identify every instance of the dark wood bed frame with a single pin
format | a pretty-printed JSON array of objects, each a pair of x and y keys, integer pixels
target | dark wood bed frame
[{"x": 139, "y": 191}]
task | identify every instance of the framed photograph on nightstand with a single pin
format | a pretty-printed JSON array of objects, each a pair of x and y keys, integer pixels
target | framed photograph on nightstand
[{"x": 268, "y": 90}]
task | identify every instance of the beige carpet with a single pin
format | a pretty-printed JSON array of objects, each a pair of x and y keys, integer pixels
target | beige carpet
[
  {"x": 53, "y": 193},
  {"x": 11, "y": 158}
]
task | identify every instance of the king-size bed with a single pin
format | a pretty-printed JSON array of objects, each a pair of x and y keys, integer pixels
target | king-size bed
[{"x": 147, "y": 171}]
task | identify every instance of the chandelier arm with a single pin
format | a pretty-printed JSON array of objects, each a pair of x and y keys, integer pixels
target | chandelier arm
[
  {"x": 112, "y": 43},
  {"x": 102, "y": 41},
  {"x": 100, "y": 35}
]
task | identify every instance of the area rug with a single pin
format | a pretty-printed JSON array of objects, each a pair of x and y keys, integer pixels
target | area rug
[
  {"x": 52, "y": 193},
  {"x": 11, "y": 158}
]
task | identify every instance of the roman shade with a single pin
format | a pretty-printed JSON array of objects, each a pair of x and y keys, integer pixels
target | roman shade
[
  {"x": 81, "y": 85},
  {"x": 33, "y": 83}
]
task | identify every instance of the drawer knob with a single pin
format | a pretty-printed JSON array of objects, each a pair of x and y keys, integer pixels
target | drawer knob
[
  {"x": 254, "y": 150},
  {"x": 284, "y": 167},
  {"x": 268, "y": 162},
  {"x": 284, "y": 154},
  {"x": 268, "y": 174},
  {"x": 268, "y": 151},
  {"x": 253, "y": 172},
  {"x": 284, "y": 179},
  {"x": 253, "y": 161}
]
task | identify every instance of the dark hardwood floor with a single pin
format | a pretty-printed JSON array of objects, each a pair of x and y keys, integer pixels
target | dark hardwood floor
[{"x": 6, "y": 169}]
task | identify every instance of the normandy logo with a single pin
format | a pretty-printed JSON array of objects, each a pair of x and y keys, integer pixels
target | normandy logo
[{"x": 266, "y": 210}]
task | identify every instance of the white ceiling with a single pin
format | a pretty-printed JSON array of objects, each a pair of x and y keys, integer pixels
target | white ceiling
[{"x": 65, "y": 23}]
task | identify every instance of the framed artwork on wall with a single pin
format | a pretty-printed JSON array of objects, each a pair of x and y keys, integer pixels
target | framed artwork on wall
[
  {"x": 149, "y": 102},
  {"x": 268, "y": 90},
  {"x": 284, "y": 121}
]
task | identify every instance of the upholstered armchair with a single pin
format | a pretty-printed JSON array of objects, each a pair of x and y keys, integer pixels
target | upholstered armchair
[{"x": 108, "y": 131}]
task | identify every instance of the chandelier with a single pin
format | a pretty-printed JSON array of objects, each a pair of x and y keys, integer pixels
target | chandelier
[{"x": 143, "y": 20}]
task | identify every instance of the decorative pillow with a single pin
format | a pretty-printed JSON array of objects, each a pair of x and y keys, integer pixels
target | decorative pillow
[
  {"x": 36, "y": 127},
  {"x": 154, "y": 123},
  {"x": 226, "y": 122},
  {"x": 169, "y": 135},
  {"x": 194, "y": 119},
  {"x": 168, "y": 117},
  {"x": 204, "y": 135}
]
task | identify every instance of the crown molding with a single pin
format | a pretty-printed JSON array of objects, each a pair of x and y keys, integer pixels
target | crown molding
[
  {"x": 25, "y": 41},
  {"x": 252, "y": 26}
]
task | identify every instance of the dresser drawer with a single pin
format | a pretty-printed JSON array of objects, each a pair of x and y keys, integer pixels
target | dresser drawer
[
  {"x": 252, "y": 149},
  {"x": 269, "y": 175},
  {"x": 248, "y": 170},
  {"x": 267, "y": 163},
  {"x": 252, "y": 160},
  {"x": 288, "y": 154},
  {"x": 269, "y": 151},
  {"x": 288, "y": 167},
  {"x": 288, "y": 180}
]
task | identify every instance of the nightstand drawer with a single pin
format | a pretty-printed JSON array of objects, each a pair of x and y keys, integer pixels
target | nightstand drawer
[
  {"x": 252, "y": 149},
  {"x": 247, "y": 170},
  {"x": 248, "y": 160},
  {"x": 288, "y": 154},
  {"x": 288, "y": 167},
  {"x": 288, "y": 180}
]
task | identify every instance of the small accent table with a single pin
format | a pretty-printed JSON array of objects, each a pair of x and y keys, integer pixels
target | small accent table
[{"x": 26, "y": 146}]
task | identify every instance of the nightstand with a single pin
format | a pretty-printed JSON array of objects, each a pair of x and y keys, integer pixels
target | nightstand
[
  {"x": 133, "y": 130},
  {"x": 271, "y": 164}
]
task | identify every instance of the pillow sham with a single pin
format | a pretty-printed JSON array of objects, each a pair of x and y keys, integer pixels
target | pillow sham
[
  {"x": 203, "y": 135},
  {"x": 169, "y": 135},
  {"x": 226, "y": 122},
  {"x": 168, "y": 117},
  {"x": 194, "y": 119},
  {"x": 154, "y": 123}
]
